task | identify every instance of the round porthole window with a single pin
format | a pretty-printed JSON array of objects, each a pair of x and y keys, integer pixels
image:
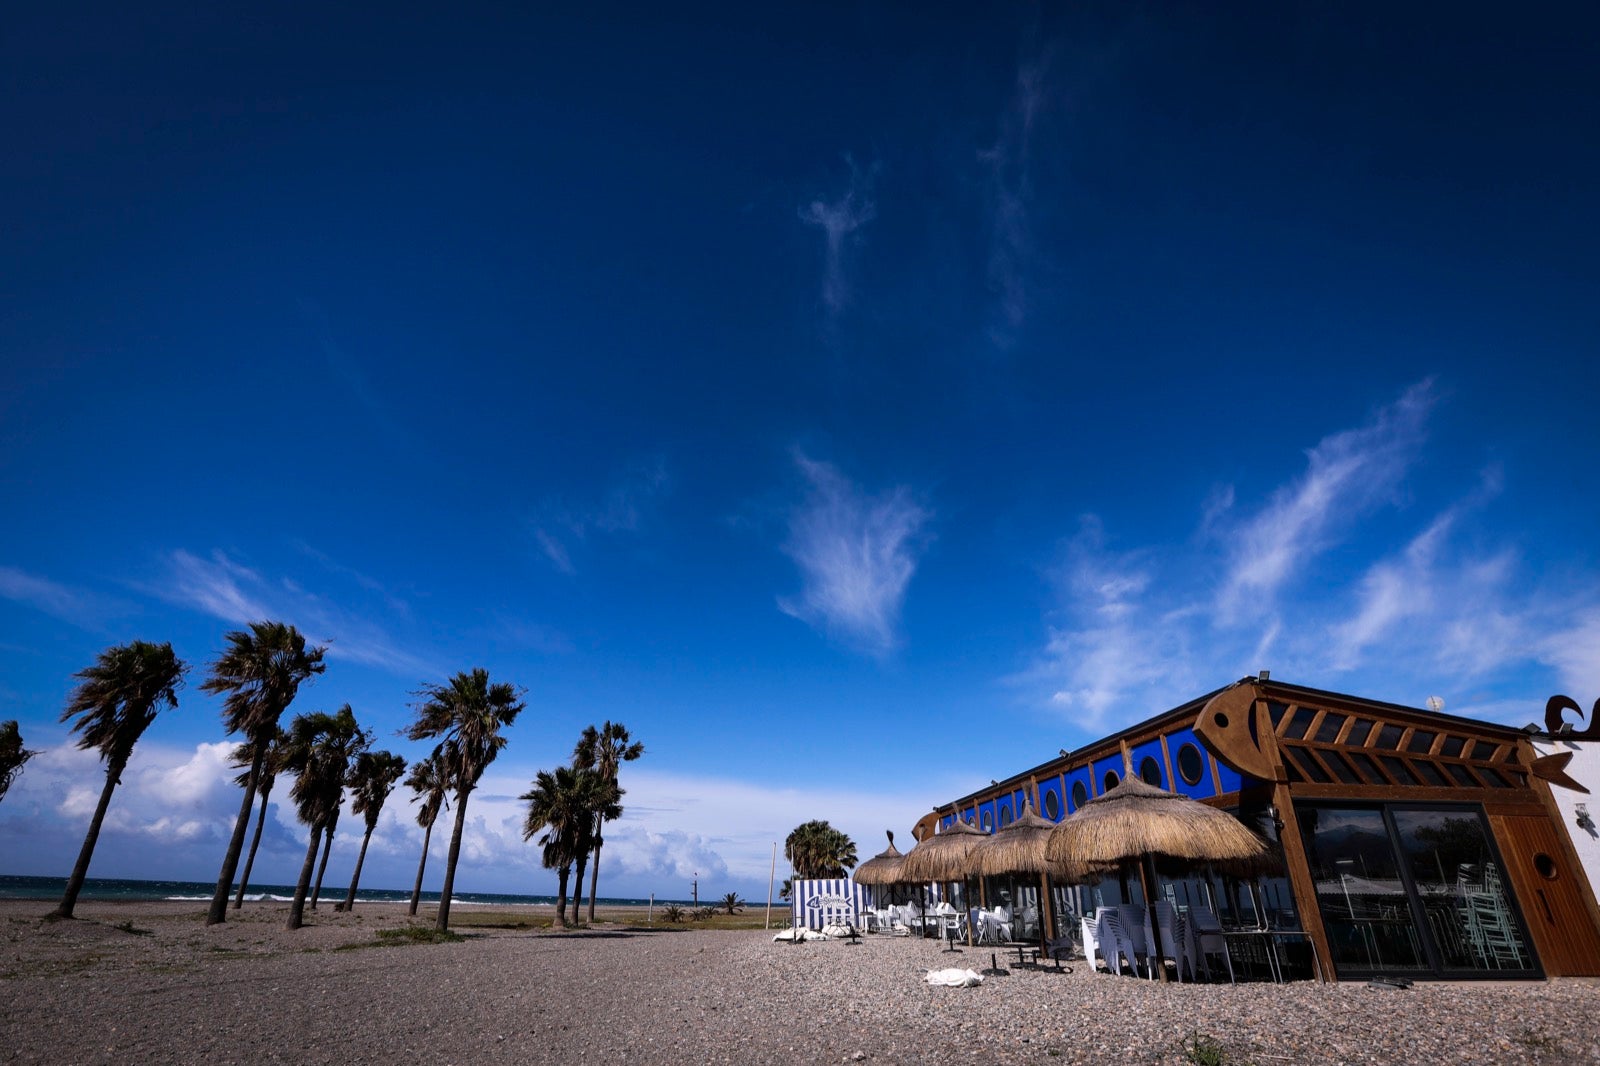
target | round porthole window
[
  {"x": 1150, "y": 770},
  {"x": 1110, "y": 781},
  {"x": 1052, "y": 806},
  {"x": 1191, "y": 764},
  {"x": 1080, "y": 795},
  {"x": 1545, "y": 865},
  {"x": 1005, "y": 817},
  {"x": 987, "y": 821}
]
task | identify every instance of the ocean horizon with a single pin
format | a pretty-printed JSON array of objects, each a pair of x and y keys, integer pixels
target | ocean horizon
[{"x": 49, "y": 889}]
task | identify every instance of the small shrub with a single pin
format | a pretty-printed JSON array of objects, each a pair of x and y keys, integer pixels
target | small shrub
[
  {"x": 1205, "y": 1050},
  {"x": 418, "y": 934},
  {"x": 732, "y": 903},
  {"x": 702, "y": 914},
  {"x": 672, "y": 913}
]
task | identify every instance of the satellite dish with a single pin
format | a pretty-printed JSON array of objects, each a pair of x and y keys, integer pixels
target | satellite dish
[{"x": 1436, "y": 703}]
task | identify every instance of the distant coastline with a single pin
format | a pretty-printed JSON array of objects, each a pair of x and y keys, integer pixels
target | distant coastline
[{"x": 134, "y": 890}]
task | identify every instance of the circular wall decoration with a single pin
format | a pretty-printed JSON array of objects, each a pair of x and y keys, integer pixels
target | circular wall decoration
[
  {"x": 1080, "y": 795},
  {"x": 1191, "y": 764},
  {"x": 1052, "y": 806},
  {"x": 1150, "y": 770}
]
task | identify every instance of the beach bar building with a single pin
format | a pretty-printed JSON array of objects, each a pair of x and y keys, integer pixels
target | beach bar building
[{"x": 1413, "y": 843}]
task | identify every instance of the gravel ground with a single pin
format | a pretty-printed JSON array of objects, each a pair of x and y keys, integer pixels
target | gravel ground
[{"x": 168, "y": 990}]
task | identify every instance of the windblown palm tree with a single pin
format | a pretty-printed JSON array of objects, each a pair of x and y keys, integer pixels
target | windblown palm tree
[
  {"x": 318, "y": 753},
  {"x": 603, "y": 750},
  {"x": 563, "y": 803},
  {"x": 243, "y": 756},
  {"x": 430, "y": 780},
  {"x": 371, "y": 779},
  {"x": 327, "y": 846},
  {"x": 114, "y": 705},
  {"x": 12, "y": 755},
  {"x": 817, "y": 849},
  {"x": 259, "y": 673},
  {"x": 468, "y": 713}
]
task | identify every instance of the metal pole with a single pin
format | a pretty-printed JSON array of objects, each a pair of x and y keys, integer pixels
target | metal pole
[{"x": 771, "y": 877}]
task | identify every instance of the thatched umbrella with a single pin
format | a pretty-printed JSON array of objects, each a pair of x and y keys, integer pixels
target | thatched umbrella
[
  {"x": 883, "y": 869},
  {"x": 1135, "y": 822},
  {"x": 942, "y": 856},
  {"x": 1017, "y": 848}
]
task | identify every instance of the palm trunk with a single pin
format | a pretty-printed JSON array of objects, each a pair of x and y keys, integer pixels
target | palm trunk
[
  {"x": 297, "y": 909},
  {"x": 594, "y": 877},
  {"x": 577, "y": 886},
  {"x": 80, "y": 869},
  {"x": 255, "y": 842},
  {"x": 416, "y": 891},
  {"x": 327, "y": 846},
  {"x": 561, "y": 895},
  {"x": 350, "y": 897},
  {"x": 230, "y": 861},
  {"x": 443, "y": 922}
]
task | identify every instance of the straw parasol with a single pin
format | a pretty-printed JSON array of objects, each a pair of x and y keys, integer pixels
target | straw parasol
[
  {"x": 1135, "y": 822},
  {"x": 942, "y": 856},
  {"x": 1017, "y": 848},
  {"x": 883, "y": 868}
]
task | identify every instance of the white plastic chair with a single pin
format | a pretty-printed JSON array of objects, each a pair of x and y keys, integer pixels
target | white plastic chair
[
  {"x": 1175, "y": 941},
  {"x": 1112, "y": 942},
  {"x": 1135, "y": 927},
  {"x": 1086, "y": 925},
  {"x": 1206, "y": 932}
]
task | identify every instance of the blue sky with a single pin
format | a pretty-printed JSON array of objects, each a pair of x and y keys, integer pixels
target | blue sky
[{"x": 858, "y": 403}]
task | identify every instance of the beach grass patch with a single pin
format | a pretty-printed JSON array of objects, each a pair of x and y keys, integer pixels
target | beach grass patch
[
  {"x": 133, "y": 930},
  {"x": 1202, "y": 1049}
]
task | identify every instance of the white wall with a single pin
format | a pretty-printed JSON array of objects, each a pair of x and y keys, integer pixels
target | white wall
[{"x": 1585, "y": 769}]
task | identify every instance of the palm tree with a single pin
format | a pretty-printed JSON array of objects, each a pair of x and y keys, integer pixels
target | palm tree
[
  {"x": 603, "y": 750},
  {"x": 243, "y": 756},
  {"x": 318, "y": 753},
  {"x": 563, "y": 803},
  {"x": 114, "y": 705},
  {"x": 430, "y": 780},
  {"x": 817, "y": 849},
  {"x": 259, "y": 672},
  {"x": 327, "y": 845},
  {"x": 732, "y": 903},
  {"x": 12, "y": 755},
  {"x": 371, "y": 779},
  {"x": 468, "y": 712},
  {"x": 602, "y": 799}
]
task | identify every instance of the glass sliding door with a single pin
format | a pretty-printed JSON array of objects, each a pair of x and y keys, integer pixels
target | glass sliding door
[{"x": 1409, "y": 889}]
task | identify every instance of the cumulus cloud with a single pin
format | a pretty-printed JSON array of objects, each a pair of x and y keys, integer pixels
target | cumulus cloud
[
  {"x": 839, "y": 220},
  {"x": 1346, "y": 475},
  {"x": 559, "y": 528},
  {"x": 857, "y": 553}
]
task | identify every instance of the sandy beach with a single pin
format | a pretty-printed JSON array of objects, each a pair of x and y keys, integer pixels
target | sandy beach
[{"x": 150, "y": 983}]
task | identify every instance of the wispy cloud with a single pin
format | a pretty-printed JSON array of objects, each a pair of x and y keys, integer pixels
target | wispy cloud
[
  {"x": 1447, "y": 611},
  {"x": 86, "y": 610},
  {"x": 1009, "y": 165},
  {"x": 228, "y": 590},
  {"x": 559, "y": 528},
  {"x": 1347, "y": 473},
  {"x": 857, "y": 553},
  {"x": 839, "y": 220}
]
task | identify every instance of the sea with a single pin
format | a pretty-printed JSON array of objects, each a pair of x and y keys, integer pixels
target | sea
[{"x": 111, "y": 888}]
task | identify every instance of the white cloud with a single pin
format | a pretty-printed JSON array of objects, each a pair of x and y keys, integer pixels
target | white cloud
[
  {"x": 839, "y": 220},
  {"x": 1011, "y": 196},
  {"x": 857, "y": 554},
  {"x": 228, "y": 590},
  {"x": 559, "y": 528},
  {"x": 1347, "y": 474},
  {"x": 75, "y": 606}
]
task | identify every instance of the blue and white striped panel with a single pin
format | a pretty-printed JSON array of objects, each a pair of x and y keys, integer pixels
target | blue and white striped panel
[{"x": 831, "y": 900}]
